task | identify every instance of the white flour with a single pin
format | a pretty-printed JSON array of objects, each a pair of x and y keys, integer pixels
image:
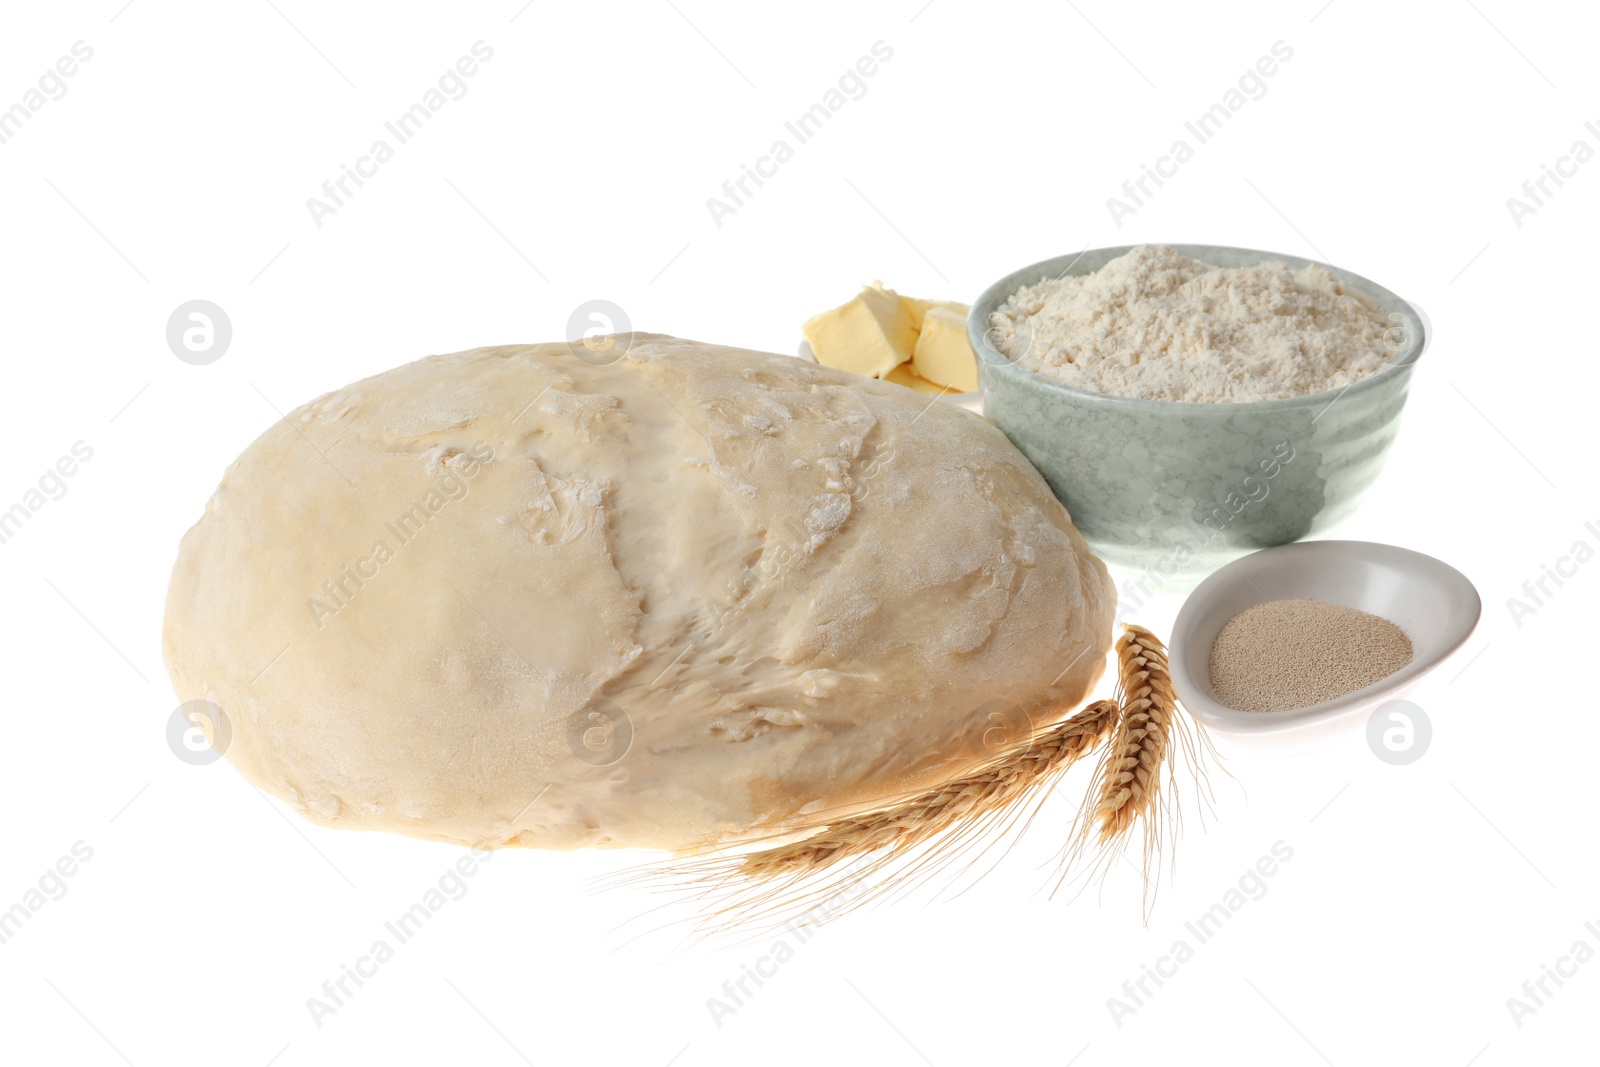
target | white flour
[{"x": 1157, "y": 325}]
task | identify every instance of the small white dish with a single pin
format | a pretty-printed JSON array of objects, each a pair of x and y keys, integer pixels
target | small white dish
[
  {"x": 971, "y": 401},
  {"x": 1434, "y": 604}
]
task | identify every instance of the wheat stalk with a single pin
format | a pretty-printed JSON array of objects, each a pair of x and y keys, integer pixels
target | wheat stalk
[
  {"x": 832, "y": 861},
  {"x": 832, "y": 864},
  {"x": 933, "y": 811}
]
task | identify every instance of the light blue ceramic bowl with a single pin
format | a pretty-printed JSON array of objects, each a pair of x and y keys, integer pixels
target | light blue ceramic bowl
[{"x": 1178, "y": 489}]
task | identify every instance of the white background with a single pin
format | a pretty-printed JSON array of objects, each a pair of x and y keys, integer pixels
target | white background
[{"x": 177, "y": 166}]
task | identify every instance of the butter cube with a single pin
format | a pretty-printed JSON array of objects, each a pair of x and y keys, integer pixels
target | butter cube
[
  {"x": 870, "y": 335},
  {"x": 942, "y": 353},
  {"x": 919, "y": 308},
  {"x": 904, "y": 375}
]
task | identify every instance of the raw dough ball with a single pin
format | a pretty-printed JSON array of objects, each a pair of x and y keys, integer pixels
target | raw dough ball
[{"x": 529, "y": 600}]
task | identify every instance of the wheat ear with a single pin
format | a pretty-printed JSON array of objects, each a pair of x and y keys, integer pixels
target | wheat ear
[
  {"x": 804, "y": 877},
  {"x": 933, "y": 811},
  {"x": 1131, "y": 784},
  {"x": 1152, "y": 737},
  {"x": 833, "y": 862}
]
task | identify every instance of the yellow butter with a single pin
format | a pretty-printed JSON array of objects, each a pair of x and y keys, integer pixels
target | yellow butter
[
  {"x": 870, "y": 335},
  {"x": 919, "y": 308},
  {"x": 942, "y": 353},
  {"x": 904, "y": 375}
]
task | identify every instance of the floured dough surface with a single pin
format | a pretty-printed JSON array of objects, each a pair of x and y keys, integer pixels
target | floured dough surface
[{"x": 507, "y": 596}]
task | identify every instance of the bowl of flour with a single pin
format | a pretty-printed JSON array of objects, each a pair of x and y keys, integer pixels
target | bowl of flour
[{"x": 1194, "y": 403}]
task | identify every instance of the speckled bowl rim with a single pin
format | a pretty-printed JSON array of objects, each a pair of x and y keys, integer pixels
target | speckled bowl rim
[{"x": 992, "y": 297}]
